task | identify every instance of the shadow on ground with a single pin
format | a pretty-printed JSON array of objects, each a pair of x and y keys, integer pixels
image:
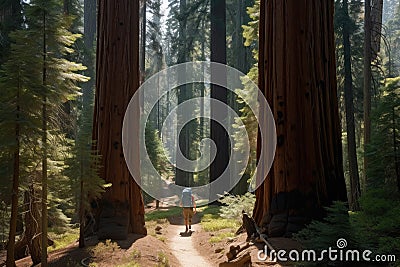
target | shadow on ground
[
  {"x": 186, "y": 234},
  {"x": 210, "y": 210}
]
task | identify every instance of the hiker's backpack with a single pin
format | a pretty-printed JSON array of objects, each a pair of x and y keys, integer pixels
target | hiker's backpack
[{"x": 187, "y": 197}]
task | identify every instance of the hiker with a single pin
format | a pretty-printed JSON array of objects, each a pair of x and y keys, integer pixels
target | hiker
[{"x": 188, "y": 203}]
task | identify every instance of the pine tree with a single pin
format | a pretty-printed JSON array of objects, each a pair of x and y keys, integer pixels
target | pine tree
[
  {"x": 38, "y": 87},
  {"x": 239, "y": 55},
  {"x": 17, "y": 114},
  {"x": 57, "y": 84},
  {"x": 250, "y": 34},
  {"x": 384, "y": 148},
  {"x": 83, "y": 169},
  {"x": 392, "y": 49}
]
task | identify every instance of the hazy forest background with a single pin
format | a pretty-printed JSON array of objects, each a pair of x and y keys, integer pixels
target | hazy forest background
[{"x": 47, "y": 93}]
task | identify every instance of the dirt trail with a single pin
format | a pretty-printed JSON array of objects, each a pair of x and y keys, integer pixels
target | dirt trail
[{"x": 183, "y": 249}]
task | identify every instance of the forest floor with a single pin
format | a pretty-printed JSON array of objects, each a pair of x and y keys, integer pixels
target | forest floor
[{"x": 165, "y": 245}]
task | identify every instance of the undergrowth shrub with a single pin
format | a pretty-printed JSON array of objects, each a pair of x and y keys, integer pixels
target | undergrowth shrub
[
  {"x": 376, "y": 228},
  {"x": 334, "y": 228},
  {"x": 105, "y": 250},
  {"x": 378, "y": 224},
  {"x": 162, "y": 259},
  {"x": 234, "y": 205}
]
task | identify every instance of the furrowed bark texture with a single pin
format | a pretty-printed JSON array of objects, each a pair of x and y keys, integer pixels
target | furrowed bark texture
[
  {"x": 298, "y": 77},
  {"x": 122, "y": 208}
]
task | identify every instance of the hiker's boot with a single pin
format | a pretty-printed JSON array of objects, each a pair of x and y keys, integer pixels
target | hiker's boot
[
  {"x": 190, "y": 227},
  {"x": 187, "y": 228}
]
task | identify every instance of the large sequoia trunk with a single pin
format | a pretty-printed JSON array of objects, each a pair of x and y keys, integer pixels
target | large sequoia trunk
[
  {"x": 298, "y": 77},
  {"x": 122, "y": 208}
]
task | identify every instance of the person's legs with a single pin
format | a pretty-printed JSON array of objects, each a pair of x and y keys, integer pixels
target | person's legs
[
  {"x": 186, "y": 217},
  {"x": 190, "y": 215}
]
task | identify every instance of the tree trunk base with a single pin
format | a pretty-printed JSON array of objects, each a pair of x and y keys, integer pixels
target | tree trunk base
[
  {"x": 113, "y": 222},
  {"x": 22, "y": 249},
  {"x": 289, "y": 213}
]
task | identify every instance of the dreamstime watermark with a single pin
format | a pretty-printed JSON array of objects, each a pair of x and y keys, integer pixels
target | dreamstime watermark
[
  {"x": 338, "y": 253},
  {"x": 162, "y": 84}
]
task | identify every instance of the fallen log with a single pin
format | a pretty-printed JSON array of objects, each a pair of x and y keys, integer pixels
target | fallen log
[{"x": 242, "y": 261}]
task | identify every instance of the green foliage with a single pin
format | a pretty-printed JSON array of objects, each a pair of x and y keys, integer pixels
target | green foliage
[
  {"x": 323, "y": 234},
  {"x": 11, "y": 20},
  {"x": 250, "y": 31},
  {"x": 211, "y": 210},
  {"x": 234, "y": 205},
  {"x": 162, "y": 214},
  {"x": 4, "y": 220},
  {"x": 135, "y": 254},
  {"x": 222, "y": 236},
  {"x": 154, "y": 53},
  {"x": 129, "y": 264},
  {"x": 105, "y": 250},
  {"x": 38, "y": 67},
  {"x": 158, "y": 158},
  {"x": 384, "y": 148},
  {"x": 320, "y": 235},
  {"x": 187, "y": 38},
  {"x": 181, "y": 24},
  {"x": 162, "y": 259},
  {"x": 352, "y": 20},
  {"x": 82, "y": 168},
  {"x": 62, "y": 239},
  {"x": 250, "y": 34},
  {"x": 239, "y": 55},
  {"x": 391, "y": 55},
  {"x": 378, "y": 225},
  {"x": 212, "y": 223},
  {"x": 375, "y": 228},
  {"x": 156, "y": 152}
]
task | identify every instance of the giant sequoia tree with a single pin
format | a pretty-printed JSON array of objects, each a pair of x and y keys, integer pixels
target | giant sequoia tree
[
  {"x": 122, "y": 208},
  {"x": 297, "y": 74}
]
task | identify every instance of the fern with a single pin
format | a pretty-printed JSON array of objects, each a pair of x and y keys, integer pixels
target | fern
[{"x": 234, "y": 205}]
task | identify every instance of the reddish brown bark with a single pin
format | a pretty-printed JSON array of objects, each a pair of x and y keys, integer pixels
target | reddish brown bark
[
  {"x": 376, "y": 27},
  {"x": 298, "y": 76},
  {"x": 367, "y": 82},
  {"x": 117, "y": 80},
  {"x": 355, "y": 190},
  {"x": 15, "y": 189}
]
